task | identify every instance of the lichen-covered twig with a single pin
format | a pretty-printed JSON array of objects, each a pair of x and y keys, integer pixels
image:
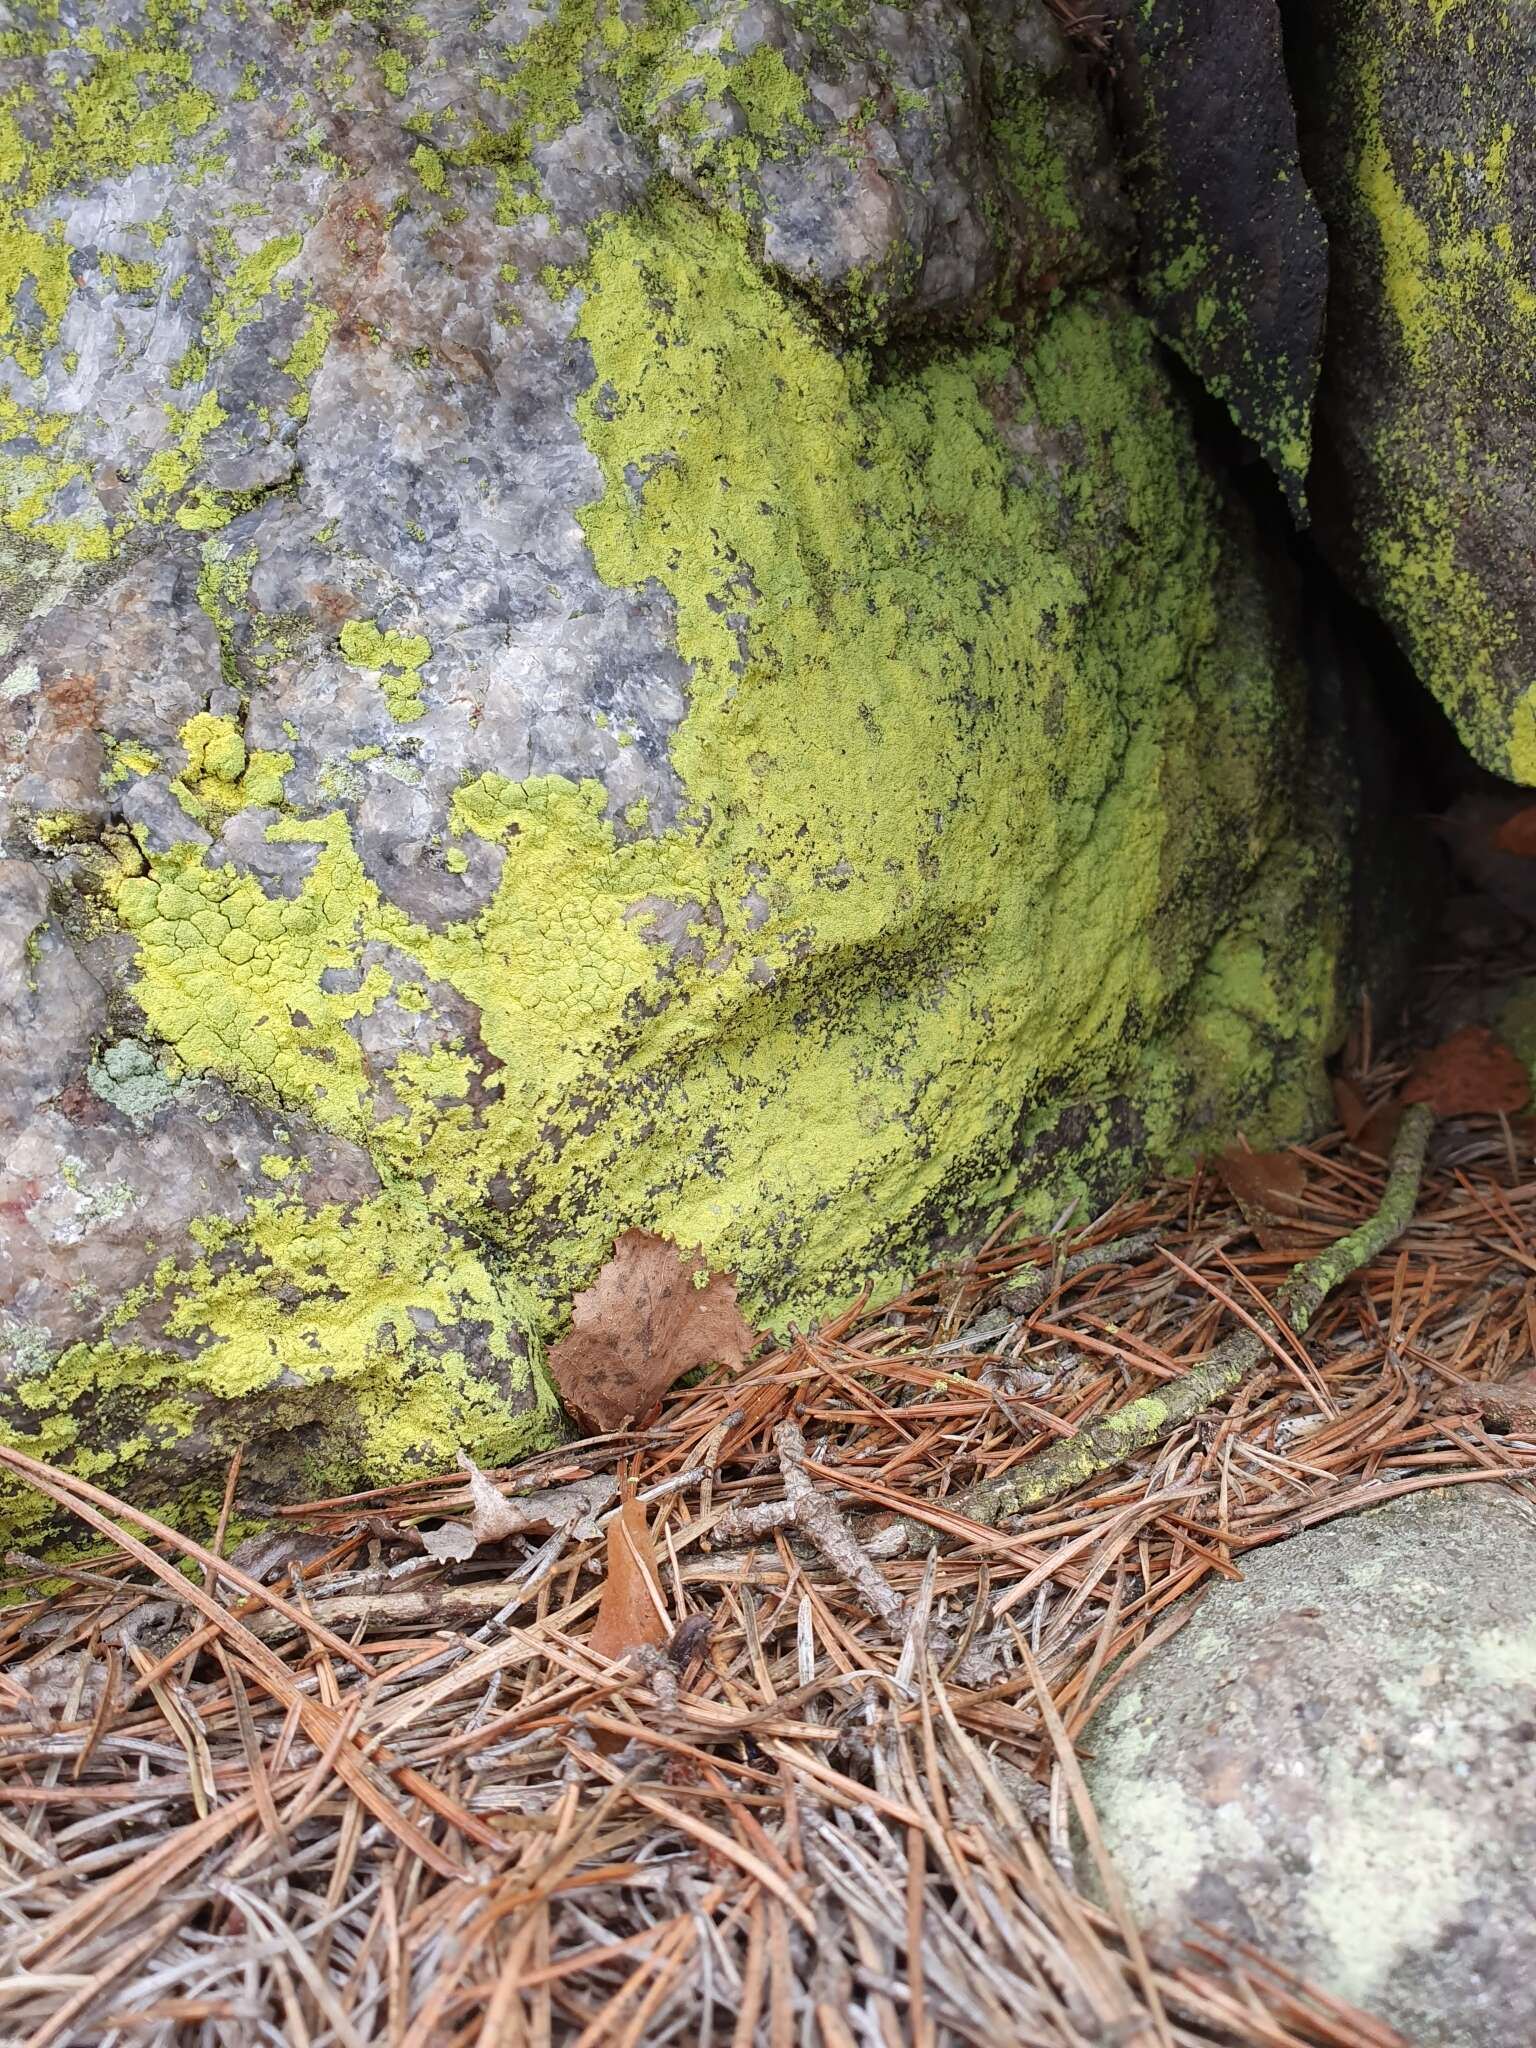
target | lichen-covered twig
[
  {"x": 1114, "y": 1438},
  {"x": 1031, "y": 1287}
]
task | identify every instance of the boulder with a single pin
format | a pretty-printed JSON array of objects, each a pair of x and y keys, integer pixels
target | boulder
[
  {"x": 1415, "y": 130},
  {"x": 1333, "y": 1760},
  {"x": 1232, "y": 262},
  {"x": 608, "y": 619}
]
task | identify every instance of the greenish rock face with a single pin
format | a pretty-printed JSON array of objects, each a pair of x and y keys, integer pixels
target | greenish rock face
[
  {"x": 596, "y": 700},
  {"x": 1417, "y": 128}
]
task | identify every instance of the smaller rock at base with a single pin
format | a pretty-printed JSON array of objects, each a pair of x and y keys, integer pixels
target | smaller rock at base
[{"x": 1336, "y": 1760}]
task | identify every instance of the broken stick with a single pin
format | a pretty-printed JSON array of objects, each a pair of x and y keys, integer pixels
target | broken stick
[{"x": 1114, "y": 1438}]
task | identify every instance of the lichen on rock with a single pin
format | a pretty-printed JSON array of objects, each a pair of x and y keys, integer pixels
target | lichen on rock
[
  {"x": 1331, "y": 1762},
  {"x": 1233, "y": 258},
  {"x": 590, "y": 724},
  {"x": 1416, "y": 135}
]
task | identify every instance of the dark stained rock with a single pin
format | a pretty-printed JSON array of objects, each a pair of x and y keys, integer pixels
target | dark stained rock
[
  {"x": 1233, "y": 258},
  {"x": 1417, "y": 129}
]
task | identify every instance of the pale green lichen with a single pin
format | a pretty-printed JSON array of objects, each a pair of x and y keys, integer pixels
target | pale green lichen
[{"x": 132, "y": 1079}]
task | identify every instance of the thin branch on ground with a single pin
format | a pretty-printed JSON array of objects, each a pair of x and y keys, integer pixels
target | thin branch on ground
[
  {"x": 1112, "y": 1439},
  {"x": 819, "y": 1520},
  {"x": 1031, "y": 1288}
]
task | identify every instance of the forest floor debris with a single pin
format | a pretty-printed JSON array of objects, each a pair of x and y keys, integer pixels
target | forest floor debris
[{"x": 340, "y": 1789}]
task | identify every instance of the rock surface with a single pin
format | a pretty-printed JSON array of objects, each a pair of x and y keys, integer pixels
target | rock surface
[
  {"x": 1334, "y": 1760},
  {"x": 607, "y": 619},
  {"x": 1416, "y": 135},
  {"x": 1233, "y": 259}
]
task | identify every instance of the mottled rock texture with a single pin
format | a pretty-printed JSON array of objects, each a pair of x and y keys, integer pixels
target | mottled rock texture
[
  {"x": 1333, "y": 1759},
  {"x": 1417, "y": 127},
  {"x": 608, "y": 619},
  {"x": 1233, "y": 255}
]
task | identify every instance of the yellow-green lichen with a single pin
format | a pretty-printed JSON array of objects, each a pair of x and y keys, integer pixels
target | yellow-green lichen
[
  {"x": 396, "y": 660},
  {"x": 220, "y": 775},
  {"x": 371, "y": 1340},
  {"x": 306, "y": 356},
  {"x": 132, "y": 104},
  {"x": 895, "y": 970}
]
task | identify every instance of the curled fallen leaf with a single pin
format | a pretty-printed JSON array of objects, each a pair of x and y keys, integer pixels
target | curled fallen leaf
[
  {"x": 495, "y": 1516},
  {"x": 1267, "y": 1187},
  {"x": 631, "y": 1614},
  {"x": 653, "y": 1313},
  {"x": 1472, "y": 1073},
  {"x": 1517, "y": 834},
  {"x": 1500, "y": 1405}
]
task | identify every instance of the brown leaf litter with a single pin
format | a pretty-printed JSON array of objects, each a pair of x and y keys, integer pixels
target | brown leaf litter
[
  {"x": 1268, "y": 1188},
  {"x": 1517, "y": 833},
  {"x": 653, "y": 1313},
  {"x": 1472, "y": 1073},
  {"x": 689, "y": 1769}
]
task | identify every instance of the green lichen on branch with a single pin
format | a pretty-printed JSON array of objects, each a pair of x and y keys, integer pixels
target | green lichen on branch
[{"x": 1101, "y": 1445}]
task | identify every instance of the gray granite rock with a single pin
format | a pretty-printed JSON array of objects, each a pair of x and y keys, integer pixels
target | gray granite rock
[
  {"x": 606, "y": 617},
  {"x": 1334, "y": 1760}
]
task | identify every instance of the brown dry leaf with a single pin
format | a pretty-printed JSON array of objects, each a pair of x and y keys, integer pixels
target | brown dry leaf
[
  {"x": 649, "y": 1317},
  {"x": 1498, "y": 1404},
  {"x": 1517, "y": 834},
  {"x": 1349, "y": 1106},
  {"x": 630, "y": 1615},
  {"x": 1267, "y": 1187},
  {"x": 493, "y": 1516},
  {"x": 1380, "y": 1127},
  {"x": 1473, "y": 1073}
]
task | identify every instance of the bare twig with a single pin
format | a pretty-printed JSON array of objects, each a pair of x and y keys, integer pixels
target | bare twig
[
  {"x": 822, "y": 1524},
  {"x": 1032, "y": 1287}
]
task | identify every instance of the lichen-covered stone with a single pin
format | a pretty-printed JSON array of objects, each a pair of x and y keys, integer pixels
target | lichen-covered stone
[
  {"x": 1417, "y": 130},
  {"x": 1233, "y": 260},
  {"x": 1332, "y": 1760},
  {"x": 897, "y": 163},
  {"x": 524, "y": 716}
]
